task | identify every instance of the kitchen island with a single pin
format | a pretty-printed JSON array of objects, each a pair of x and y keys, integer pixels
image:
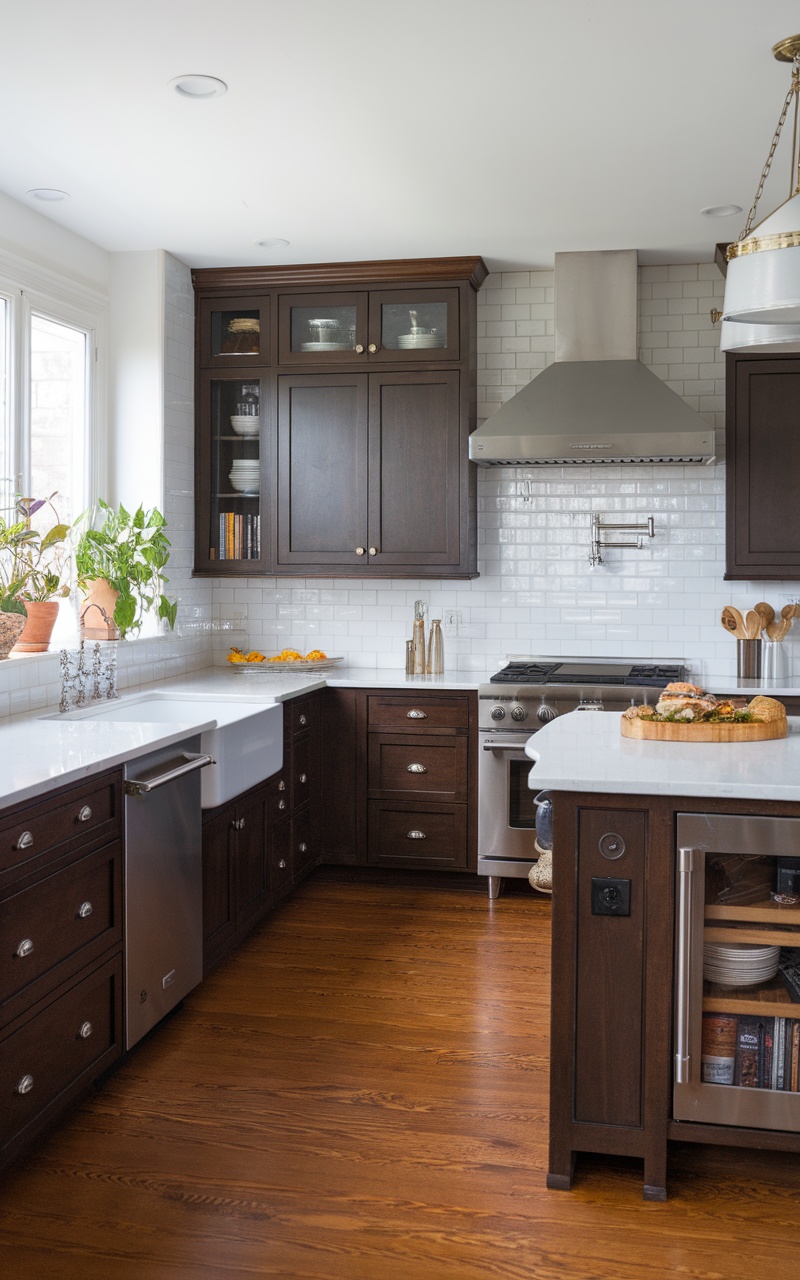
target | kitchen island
[{"x": 633, "y": 907}]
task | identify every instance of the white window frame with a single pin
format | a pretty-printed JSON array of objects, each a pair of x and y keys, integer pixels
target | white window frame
[{"x": 29, "y": 289}]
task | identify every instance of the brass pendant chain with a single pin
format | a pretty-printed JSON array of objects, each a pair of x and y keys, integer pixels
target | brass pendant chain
[{"x": 794, "y": 92}]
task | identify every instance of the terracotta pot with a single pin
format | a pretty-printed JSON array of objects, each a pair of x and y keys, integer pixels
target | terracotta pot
[
  {"x": 96, "y": 616},
  {"x": 38, "y": 629},
  {"x": 11, "y": 625}
]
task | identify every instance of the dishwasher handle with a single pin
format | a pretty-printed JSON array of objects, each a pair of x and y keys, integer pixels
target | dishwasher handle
[{"x": 193, "y": 760}]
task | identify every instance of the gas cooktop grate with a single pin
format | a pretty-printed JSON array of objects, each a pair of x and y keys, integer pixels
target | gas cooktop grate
[{"x": 644, "y": 675}]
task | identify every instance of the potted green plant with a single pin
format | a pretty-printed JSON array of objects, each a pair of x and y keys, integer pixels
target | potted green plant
[
  {"x": 31, "y": 576},
  {"x": 120, "y": 570}
]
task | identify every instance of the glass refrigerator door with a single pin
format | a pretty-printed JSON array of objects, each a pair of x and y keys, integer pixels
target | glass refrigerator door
[{"x": 737, "y": 1005}]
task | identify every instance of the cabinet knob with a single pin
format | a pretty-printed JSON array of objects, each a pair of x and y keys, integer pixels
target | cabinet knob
[
  {"x": 85, "y": 1030},
  {"x": 373, "y": 551},
  {"x": 282, "y": 864},
  {"x": 302, "y": 846},
  {"x": 416, "y": 768},
  {"x": 281, "y": 785},
  {"x": 241, "y": 824},
  {"x": 24, "y": 841},
  {"x": 303, "y": 720},
  {"x": 415, "y": 835},
  {"x": 85, "y": 909},
  {"x": 372, "y": 348},
  {"x": 361, "y": 551},
  {"x": 281, "y": 804},
  {"x": 24, "y": 1085},
  {"x": 84, "y": 814},
  {"x": 303, "y": 777},
  {"x": 359, "y": 348},
  {"x": 25, "y": 948},
  {"x": 415, "y": 714}
]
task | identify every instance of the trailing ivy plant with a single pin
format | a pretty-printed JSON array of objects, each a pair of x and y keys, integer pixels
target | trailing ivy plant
[{"x": 130, "y": 552}]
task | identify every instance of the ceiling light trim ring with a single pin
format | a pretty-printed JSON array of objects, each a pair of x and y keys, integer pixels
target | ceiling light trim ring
[{"x": 760, "y": 244}]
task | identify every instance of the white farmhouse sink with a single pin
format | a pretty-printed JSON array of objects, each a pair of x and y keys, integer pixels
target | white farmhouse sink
[{"x": 247, "y": 742}]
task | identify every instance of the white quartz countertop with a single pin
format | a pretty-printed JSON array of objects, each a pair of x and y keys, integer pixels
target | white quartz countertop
[
  {"x": 585, "y": 751},
  {"x": 42, "y": 750}
]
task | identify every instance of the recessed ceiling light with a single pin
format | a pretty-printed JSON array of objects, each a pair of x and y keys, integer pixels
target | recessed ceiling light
[
  {"x": 198, "y": 87},
  {"x": 47, "y": 193},
  {"x": 721, "y": 210},
  {"x": 274, "y": 243}
]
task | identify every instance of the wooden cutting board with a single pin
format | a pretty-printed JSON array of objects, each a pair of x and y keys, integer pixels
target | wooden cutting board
[{"x": 652, "y": 731}]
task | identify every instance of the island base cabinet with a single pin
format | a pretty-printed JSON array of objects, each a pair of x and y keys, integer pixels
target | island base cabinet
[{"x": 611, "y": 990}]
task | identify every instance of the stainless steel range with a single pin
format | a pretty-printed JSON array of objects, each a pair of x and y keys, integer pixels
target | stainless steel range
[{"x": 523, "y": 697}]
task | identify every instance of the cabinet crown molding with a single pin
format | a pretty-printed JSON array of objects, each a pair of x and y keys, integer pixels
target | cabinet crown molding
[{"x": 319, "y": 274}]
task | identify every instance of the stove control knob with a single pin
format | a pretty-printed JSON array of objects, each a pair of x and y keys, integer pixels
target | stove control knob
[
  {"x": 546, "y": 713},
  {"x": 518, "y": 713},
  {"x": 498, "y": 713}
]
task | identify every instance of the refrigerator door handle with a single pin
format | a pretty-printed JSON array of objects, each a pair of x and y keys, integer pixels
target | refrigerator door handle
[{"x": 687, "y": 860}]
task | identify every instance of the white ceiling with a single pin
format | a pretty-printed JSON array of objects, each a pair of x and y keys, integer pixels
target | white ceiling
[{"x": 362, "y": 129}]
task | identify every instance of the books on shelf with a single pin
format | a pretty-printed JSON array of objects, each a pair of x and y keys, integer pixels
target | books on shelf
[
  {"x": 239, "y": 536},
  {"x": 751, "y": 1051}
]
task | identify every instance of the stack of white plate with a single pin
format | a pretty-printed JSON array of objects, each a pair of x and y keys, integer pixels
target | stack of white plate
[
  {"x": 245, "y": 424},
  {"x": 245, "y": 475},
  {"x": 416, "y": 341},
  {"x": 742, "y": 965}
]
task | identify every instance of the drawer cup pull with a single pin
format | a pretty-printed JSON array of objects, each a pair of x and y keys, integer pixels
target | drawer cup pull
[
  {"x": 415, "y": 835},
  {"x": 282, "y": 864},
  {"x": 25, "y": 1085},
  {"x": 85, "y": 909},
  {"x": 415, "y": 714},
  {"x": 25, "y": 948},
  {"x": 303, "y": 777},
  {"x": 303, "y": 720},
  {"x": 416, "y": 768},
  {"x": 85, "y": 1030},
  {"x": 302, "y": 846},
  {"x": 84, "y": 814},
  {"x": 24, "y": 841}
]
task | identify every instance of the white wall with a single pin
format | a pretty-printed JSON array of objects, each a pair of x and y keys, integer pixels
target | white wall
[
  {"x": 152, "y": 336},
  {"x": 136, "y": 380},
  {"x": 536, "y": 593}
]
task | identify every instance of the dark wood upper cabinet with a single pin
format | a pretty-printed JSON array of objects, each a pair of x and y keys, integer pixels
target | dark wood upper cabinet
[
  {"x": 762, "y": 466},
  {"x": 366, "y": 399}
]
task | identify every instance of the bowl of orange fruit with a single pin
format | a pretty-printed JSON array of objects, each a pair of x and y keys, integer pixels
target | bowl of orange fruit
[{"x": 287, "y": 660}]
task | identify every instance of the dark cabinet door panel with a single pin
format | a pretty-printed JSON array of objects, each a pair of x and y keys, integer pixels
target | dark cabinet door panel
[
  {"x": 219, "y": 885},
  {"x": 252, "y": 870},
  {"x": 610, "y": 975},
  {"x": 414, "y": 469},
  {"x": 322, "y": 451},
  {"x": 763, "y": 463}
]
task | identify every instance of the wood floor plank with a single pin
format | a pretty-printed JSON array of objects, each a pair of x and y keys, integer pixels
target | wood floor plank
[{"x": 361, "y": 1093}]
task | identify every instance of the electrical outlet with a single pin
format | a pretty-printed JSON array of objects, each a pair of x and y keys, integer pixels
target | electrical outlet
[{"x": 452, "y": 621}]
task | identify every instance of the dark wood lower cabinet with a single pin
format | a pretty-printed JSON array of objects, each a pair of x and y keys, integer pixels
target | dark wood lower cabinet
[
  {"x": 61, "y": 912},
  {"x": 611, "y": 1034},
  {"x": 266, "y": 840}
]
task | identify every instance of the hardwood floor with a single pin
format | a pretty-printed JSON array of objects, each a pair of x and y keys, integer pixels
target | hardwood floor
[{"x": 361, "y": 1093}]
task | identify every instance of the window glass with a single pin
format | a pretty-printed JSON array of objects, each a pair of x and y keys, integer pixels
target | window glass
[
  {"x": 58, "y": 402},
  {"x": 6, "y": 459}
]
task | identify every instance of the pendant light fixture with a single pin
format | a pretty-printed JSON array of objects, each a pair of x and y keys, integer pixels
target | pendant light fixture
[{"x": 762, "y": 286}]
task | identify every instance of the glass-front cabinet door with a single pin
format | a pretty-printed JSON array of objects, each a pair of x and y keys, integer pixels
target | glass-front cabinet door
[
  {"x": 230, "y": 527},
  {"x": 414, "y": 324},
  {"x": 322, "y": 328},
  {"x": 389, "y": 326},
  {"x": 234, "y": 332},
  {"x": 737, "y": 989}
]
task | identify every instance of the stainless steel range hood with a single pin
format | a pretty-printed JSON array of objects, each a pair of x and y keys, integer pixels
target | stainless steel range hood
[{"x": 597, "y": 402}]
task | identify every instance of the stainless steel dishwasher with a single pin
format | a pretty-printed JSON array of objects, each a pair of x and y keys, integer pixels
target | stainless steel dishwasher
[{"x": 163, "y": 883}]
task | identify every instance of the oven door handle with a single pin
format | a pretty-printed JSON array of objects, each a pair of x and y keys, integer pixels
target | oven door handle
[{"x": 507, "y": 744}]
